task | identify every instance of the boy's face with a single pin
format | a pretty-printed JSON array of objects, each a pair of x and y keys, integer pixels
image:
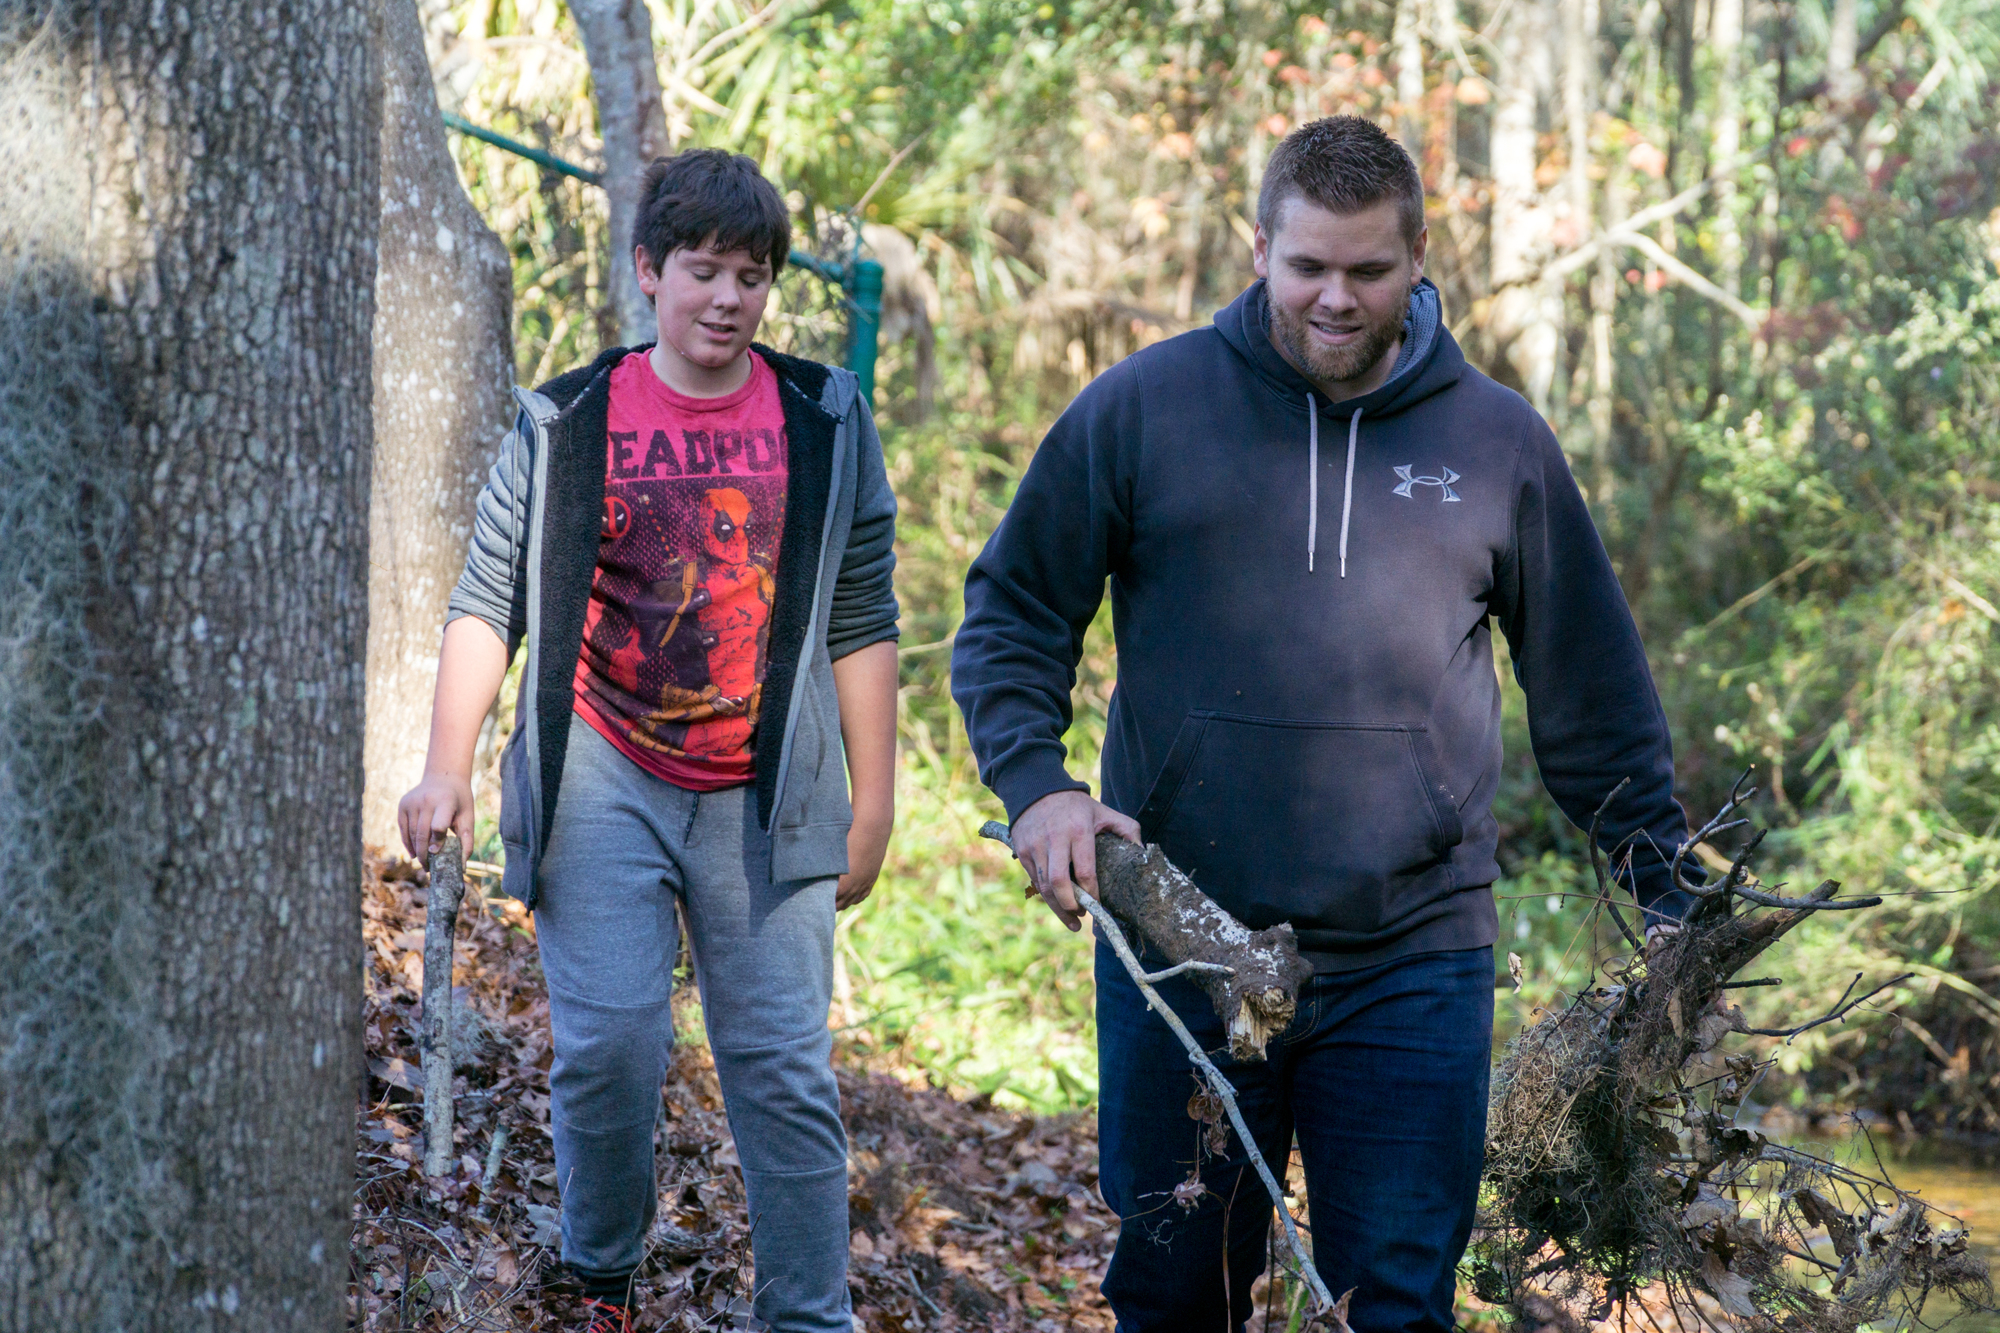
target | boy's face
[{"x": 709, "y": 302}]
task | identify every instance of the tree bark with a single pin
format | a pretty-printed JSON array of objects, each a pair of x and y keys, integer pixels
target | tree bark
[
  {"x": 632, "y": 118},
  {"x": 443, "y": 367},
  {"x": 187, "y": 265}
]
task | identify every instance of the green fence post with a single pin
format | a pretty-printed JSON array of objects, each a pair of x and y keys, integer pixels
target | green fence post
[{"x": 867, "y": 293}]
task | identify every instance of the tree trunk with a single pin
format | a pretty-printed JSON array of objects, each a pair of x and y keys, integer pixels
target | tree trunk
[
  {"x": 187, "y": 266},
  {"x": 1579, "y": 39},
  {"x": 1408, "y": 36},
  {"x": 1843, "y": 42},
  {"x": 1725, "y": 34},
  {"x": 632, "y": 118},
  {"x": 1520, "y": 325},
  {"x": 444, "y": 362},
  {"x": 1604, "y": 366}
]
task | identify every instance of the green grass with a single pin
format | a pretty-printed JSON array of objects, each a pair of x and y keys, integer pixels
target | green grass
[{"x": 949, "y": 970}]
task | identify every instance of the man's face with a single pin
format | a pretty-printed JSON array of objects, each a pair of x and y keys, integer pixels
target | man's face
[
  {"x": 709, "y": 302},
  {"x": 1339, "y": 286}
]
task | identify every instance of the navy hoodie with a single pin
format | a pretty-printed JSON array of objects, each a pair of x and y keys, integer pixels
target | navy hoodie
[{"x": 1307, "y": 718}]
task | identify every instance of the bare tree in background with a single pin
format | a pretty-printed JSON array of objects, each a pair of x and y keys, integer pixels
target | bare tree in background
[
  {"x": 444, "y": 364},
  {"x": 1522, "y": 323},
  {"x": 618, "y": 38},
  {"x": 187, "y": 268},
  {"x": 1725, "y": 34},
  {"x": 1842, "y": 44},
  {"x": 1407, "y": 36}
]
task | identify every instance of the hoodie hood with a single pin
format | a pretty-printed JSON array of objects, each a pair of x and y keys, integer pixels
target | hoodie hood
[{"x": 1428, "y": 362}]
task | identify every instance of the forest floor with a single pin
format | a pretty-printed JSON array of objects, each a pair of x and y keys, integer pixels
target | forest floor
[{"x": 962, "y": 1214}]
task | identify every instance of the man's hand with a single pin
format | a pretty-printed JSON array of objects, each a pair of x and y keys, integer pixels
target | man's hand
[
  {"x": 439, "y": 803},
  {"x": 867, "y": 845},
  {"x": 1056, "y": 840}
]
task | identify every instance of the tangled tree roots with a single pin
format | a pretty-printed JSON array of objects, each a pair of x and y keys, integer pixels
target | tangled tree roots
[{"x": 1614, "y": 1161}]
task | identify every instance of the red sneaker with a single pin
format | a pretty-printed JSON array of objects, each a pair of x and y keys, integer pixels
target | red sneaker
[{"x": 606, "y": 1317}]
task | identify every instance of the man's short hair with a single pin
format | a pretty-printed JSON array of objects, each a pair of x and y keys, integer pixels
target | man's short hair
[
  {"x": 707, "y": 197},
  {"x": 1343, "y": 164}
]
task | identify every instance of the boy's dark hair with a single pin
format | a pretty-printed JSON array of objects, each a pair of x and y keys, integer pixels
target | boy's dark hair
[
  {"x": 706, "y": 196},
  {"x": 1344, "y": 164}
]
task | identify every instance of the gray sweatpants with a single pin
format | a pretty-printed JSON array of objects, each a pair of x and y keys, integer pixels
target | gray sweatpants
[{"x": 624, "y": 846}]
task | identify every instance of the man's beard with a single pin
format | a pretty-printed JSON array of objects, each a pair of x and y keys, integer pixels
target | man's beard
[{"x": 1335, "y": 365}]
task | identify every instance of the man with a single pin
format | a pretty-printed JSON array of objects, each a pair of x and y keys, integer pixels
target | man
[{"x": 1308, "y": 513}]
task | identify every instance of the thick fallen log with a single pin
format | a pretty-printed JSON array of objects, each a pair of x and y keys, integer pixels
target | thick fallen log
[
  {"x": 1258, "y": 995},
  {"x": 1252, "y": 977}
]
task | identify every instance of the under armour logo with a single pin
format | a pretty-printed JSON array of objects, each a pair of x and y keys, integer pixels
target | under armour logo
[{"x": 1442, "y": 483}]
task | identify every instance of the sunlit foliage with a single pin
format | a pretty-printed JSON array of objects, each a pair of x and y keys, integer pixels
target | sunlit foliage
[{"x": 1744, "y": 256}]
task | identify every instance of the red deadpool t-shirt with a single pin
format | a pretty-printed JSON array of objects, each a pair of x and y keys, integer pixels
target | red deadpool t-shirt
[{"x": 674, "y": 643}]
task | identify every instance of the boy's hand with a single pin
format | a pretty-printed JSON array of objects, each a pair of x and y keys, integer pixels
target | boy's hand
[
  {"x": 1056, "y": 839},
  {"x": 867, "y": 845},
  {"x": 865, "y": 683},
  {"x": 439, "y": 803}
]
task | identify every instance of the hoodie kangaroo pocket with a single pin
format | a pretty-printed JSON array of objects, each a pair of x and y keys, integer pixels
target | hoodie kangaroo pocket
[{"x": 1338, "y": 826}]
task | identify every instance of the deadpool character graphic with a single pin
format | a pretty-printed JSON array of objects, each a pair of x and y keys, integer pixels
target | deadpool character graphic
[{"x": 693, "y": 647}]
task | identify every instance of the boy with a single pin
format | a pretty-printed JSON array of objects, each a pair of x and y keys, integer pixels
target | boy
[{"x": 694, "y": 539}]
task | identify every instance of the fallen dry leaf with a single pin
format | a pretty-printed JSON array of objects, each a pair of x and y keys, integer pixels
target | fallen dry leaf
[{"x": 962, "y": 1215}]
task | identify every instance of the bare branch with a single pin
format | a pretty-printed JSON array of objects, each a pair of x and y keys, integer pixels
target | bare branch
[
  {"x": 1817, "y": 901},
  {"x": 861, "y": 204},
  {"x": 1721, "y": 823},
  {"x": 1597, "y": 867},
  {"x": 1751, "y": 318},
  {"x": 1571, "y": 260},
  {"x": 1191, "y": 965},
  {"x": 1739, "y": 868},
  {"x": 1839, "y": 1012}
]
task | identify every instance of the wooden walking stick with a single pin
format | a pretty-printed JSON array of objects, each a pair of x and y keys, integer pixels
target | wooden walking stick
[{"x": 440, "y": 926}]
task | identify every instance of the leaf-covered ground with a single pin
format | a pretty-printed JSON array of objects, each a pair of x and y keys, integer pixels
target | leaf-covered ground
[{"x": 961, "y": 1215}]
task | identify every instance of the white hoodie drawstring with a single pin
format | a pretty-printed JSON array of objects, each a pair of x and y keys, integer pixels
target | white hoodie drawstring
[
  {"x": 1347, "y": 496},
  {"x": 1312, "y": 483}
]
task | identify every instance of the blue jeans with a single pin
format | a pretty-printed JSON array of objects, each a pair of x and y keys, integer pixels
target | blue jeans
[{"x": 1382, "y": 1075}]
